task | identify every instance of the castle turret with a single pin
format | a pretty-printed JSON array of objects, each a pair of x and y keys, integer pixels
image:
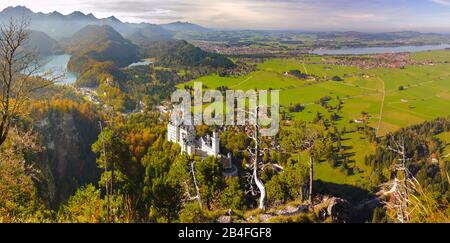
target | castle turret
[{"x": 215, "y": 143}]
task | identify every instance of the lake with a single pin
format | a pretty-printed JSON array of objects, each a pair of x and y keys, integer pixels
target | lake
[
  {"x": 58, "y": 65},
  {"x": 379, "y": 50}
]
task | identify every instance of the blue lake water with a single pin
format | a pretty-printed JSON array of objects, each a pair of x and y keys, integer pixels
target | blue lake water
[
  {"x": 58, "y": 65},
  {"x": 379, "y": 50}
]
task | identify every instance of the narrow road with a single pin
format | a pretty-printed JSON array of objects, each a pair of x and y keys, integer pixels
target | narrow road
[
  {"x": 352, "y": 85},
  {"x": 242, "y": 82},
  {"x": 381, "y": 108},
  {"x": 304, "y": 67}
]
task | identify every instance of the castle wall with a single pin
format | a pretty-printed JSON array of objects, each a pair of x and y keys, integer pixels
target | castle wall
[
  {"x": 185, "y": 137},
  {"x": 172, "y": 133}
]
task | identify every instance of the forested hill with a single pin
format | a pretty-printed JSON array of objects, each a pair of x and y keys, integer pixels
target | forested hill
[
  {"x": 43, "y": 44},
  {"x": 186, "y": 54},
  {"x": 424, "y": 144},
  {"x": 100, "y": 51},
  {"x": 101, "y": 44}
]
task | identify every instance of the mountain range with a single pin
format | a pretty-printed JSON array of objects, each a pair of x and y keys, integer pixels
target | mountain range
[
  {"x": 59, "y": 26},
  {"x": 381, "y": 36},
  {"x": 184, "y": 27}
]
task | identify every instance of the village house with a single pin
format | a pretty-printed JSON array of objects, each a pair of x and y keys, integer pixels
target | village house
[
  {"x": 358, "y": 121},
  {"x": 434, "y": 158}
]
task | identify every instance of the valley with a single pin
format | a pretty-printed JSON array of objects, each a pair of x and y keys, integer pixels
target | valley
[
  {"x": 359, "y": 112},
  {"x": 363, "y": 93}
]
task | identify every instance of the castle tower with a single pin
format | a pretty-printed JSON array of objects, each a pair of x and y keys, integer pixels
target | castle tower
[
  {"x": 215, "y": 143},
  {"x": 173, "y": 133}
]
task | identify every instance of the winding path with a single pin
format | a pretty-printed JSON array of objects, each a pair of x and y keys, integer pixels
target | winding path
[
  {"x": 304, "y": 67},
  {"x": 247, "y": 79}
]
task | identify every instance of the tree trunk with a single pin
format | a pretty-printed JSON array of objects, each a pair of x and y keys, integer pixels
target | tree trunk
[
  {"x": 107, "y": 181},
  {"x": 301, "y": 186},
  {"x": 199, "y": 198},
  {"x": 311, "y": 179},
  {"x": 259, "y": 183},
  {"x": 262, "y": 189}
]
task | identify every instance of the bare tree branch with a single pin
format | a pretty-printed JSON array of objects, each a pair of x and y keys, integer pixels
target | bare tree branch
[{"x": 19, "y": 76}]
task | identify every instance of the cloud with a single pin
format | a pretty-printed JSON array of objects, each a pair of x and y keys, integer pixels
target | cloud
[
  {"x": 442, "y": 2},
  {"x": 138, "y": 10},
  {"x": 368, "y": 15}
]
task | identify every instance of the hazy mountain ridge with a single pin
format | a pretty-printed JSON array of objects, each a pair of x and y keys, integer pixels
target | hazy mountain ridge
[
  {"x": 184, "y": 27},
  {"x": 60, "y": 26},
  {"x": 381, "y": 36},
  {"x": 148, "y": 34}
]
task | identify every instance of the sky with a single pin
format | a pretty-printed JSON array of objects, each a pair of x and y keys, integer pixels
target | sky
[{"x": 318, "y": 15}]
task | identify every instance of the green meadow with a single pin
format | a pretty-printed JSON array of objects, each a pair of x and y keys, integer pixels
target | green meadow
[{"x": 425, "y": 95}]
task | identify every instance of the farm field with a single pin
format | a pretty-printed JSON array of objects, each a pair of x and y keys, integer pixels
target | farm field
[
  {"x": 426, "y": 93},
  {"x": 392, "y": 97}
]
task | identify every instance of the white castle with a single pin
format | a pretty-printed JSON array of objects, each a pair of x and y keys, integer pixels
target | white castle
[{"x": 185, "y": 136}]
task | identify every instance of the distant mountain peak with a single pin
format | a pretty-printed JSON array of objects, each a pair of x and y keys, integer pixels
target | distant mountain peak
[
  {"x": 56, "y": 13},
  {"x": 180, "y": 26},
  {"x": 182, "y": 23},
  {"x": 77, "y": 15},
  {"x": 113, "y": 19},
  {"x": 16, "y": 10},
  {"x": 18, "y": 7}
]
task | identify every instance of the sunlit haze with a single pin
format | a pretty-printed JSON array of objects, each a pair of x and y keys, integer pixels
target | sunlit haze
[{"x": 366, "y": 15}]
